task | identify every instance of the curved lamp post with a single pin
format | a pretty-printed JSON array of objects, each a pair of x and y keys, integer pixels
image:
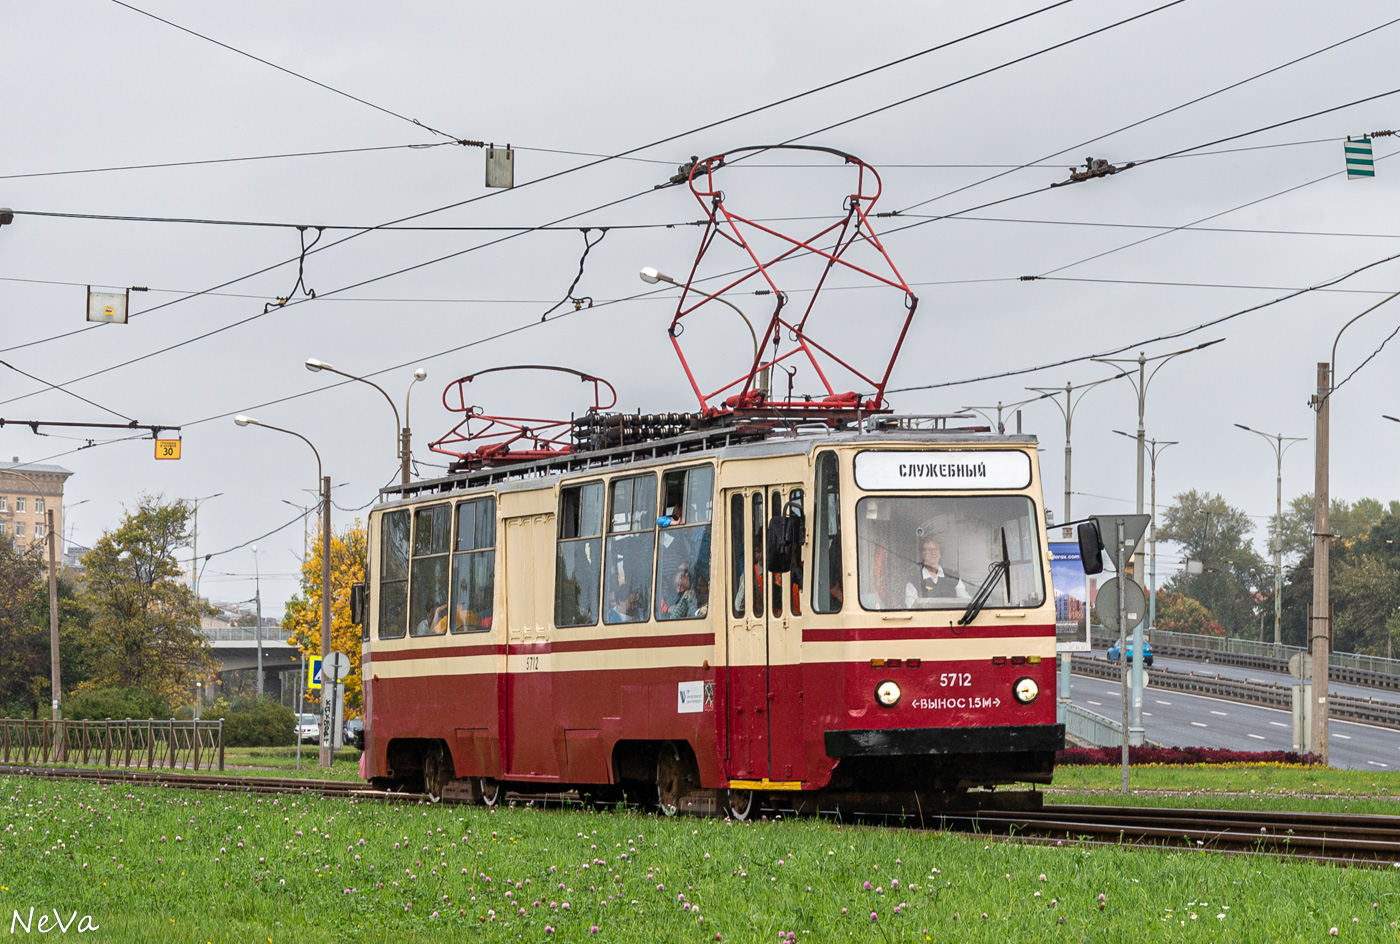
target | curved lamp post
[
  {"x": 404, "y": 450},
  {"x": 325, "y": 481},
  {"x": 1280, "y": 444},
  {"x": 651, "y": 276}
]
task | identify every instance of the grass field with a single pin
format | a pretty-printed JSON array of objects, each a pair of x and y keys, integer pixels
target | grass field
[{"x": 164, "y": 864}]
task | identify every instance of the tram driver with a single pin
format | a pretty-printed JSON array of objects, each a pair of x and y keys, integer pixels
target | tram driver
[{"x": 932, "y": 582}]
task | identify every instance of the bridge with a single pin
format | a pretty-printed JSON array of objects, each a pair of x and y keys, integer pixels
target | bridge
[{"x": 236, "y": 649}]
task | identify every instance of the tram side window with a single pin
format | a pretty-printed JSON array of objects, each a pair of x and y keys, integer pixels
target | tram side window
[
  {"x": 428, "y": 571},
  {"x": 393, "y": 574},
  {"x": 827, "y": 591},
  {"x": 580, "y": 555},
  {"x": 631, "y": 546},
  {"x": 736, "y": 551},
  {"x": 474, "y": 566},
  {"x": 683, "y": 558}
]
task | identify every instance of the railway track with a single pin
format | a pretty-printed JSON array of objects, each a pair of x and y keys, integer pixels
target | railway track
[{"x": 1341, "y": 838}]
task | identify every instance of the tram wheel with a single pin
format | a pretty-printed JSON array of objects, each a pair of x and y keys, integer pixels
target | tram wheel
[
  {"x": 437, "y": 771},
  {"x": 740, "y": 804},
  {"x": 490, "y": 791}
]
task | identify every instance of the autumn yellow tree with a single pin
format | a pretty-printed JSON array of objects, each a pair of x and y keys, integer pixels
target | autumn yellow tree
[{"x": 303, "y": 617}]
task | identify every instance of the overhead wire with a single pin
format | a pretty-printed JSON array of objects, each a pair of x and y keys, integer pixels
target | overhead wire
[
  {"x": 579, "y": 167},
  {"x": 223, "y": 160}
]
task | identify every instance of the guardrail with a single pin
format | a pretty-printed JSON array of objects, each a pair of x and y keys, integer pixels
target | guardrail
[
  {"x": 1342, "y": 708},
  {"x": 244, "y": 634},
  {"x": 1351, "y": 667},
  {"x": 1083, "y": 725},
  {"x": 128, "y": 743}
]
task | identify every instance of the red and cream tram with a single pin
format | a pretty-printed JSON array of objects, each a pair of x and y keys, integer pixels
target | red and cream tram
[
  {"x": 794, "y": 596},
  {"x": 720, "y": 618}
]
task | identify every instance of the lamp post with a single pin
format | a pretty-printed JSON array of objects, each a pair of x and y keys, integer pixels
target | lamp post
[
  {"x": 1277, "y": 441},
  {"x": 1001, "y": 427},
  {"x": 194, "y": 541},
  {"x": 1067, "y": 411},
  {"x": 55, "y": 662},
  {"x": 325, "y": 758},
  {"x": 652, "y": 276},
  {"x": 1155, "y": 449},
  {"x": 403, "y": 445},
  {"x": 257, "y": 634}
]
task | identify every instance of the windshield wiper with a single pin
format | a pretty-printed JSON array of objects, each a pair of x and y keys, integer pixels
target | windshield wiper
[{"x": 999, "y": 569}]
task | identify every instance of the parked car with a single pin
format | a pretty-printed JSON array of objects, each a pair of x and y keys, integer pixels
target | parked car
[
  {"x": 354, "y": 734},
  {"x": 309, "y": 728},
  {"x": 1146, "y": 653}
]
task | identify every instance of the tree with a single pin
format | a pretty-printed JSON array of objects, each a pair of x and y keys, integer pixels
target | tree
[
  {"x": 1212, "y": 531},
  {"x": 1347, "y": 520},
  {"x": 25, "y": 638},
  {"x": 349, "y": 553},
  {"x": 1177, "y": 613},
  {"x": 145, "y": 621}
]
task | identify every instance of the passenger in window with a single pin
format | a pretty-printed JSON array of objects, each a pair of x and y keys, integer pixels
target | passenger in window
[
  {"x": 626, "y": 608},
  {"x": 932, "y": 582},
  {"x": 434, "y": 621},
  {"x": 702, "y": 593},
  {"x": 686, "y": 605}
]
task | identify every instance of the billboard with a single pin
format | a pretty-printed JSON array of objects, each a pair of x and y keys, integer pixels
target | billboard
[{"x": 1071, "y": 589}]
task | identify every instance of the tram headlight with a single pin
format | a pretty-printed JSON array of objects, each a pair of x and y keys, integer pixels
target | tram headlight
[
  {"x": 1026, "y": 690},
  {"x": 887, "y": 693}
]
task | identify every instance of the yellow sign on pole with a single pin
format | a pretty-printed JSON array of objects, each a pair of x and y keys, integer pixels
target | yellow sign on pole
[
  {"x": 313, "y": 673},
  {"x": 167, "y": 448}
]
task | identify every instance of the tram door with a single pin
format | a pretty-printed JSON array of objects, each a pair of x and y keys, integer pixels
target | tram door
[
  {"x": 764, "y": 643},
  {"x": 529, "y": 693}
]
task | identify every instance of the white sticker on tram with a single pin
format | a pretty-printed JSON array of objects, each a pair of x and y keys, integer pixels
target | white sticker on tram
[
  {"x": 942, "y": 469},
  {"x": 690, "y": 698}
]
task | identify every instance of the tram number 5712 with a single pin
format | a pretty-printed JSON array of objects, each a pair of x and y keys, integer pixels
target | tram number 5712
[
  {"x": 955, "y": 679},
  {"x": 532, "y": 663}
]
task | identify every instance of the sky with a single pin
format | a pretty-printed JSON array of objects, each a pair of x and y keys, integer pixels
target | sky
[{"x": 1235, "y": 122}]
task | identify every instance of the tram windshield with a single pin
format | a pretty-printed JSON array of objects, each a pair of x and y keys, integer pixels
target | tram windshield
[{"x": 936, "y": 552}]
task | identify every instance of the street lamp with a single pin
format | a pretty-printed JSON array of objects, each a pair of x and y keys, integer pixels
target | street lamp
[
  {"x": 1067, "y": 410},
  {"x": 652, "y": 276},
  {"x": 404, "y": 451},
  {"x": 1144, "y": 380},
  {"x": 55, "y": 663},
  {"x": 1277, "y": 441},
  {"x": 1157, "y": 448},
  {"x": 257, "y": 634},
  {"x": 242, "y": 420},
  {"x": 1001, "y": 427},
  {"x": 194, "y": 541}
]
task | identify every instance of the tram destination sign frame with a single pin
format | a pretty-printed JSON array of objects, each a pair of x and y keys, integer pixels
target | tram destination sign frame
[{"x": 951, "y": 469}]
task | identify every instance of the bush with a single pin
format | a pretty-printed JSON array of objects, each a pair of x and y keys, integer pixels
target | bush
[
  {"x": 1093, "y": 756},
  {"x": 116, "y": 702},
  {"x": 253, "y": 722}
]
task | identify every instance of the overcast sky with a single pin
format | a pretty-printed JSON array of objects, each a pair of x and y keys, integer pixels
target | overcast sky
[{"x": 97, "y": 84}]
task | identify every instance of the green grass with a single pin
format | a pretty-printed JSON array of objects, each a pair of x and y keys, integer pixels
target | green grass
[
  {"x": 282, "y": 762},
  {"x": 164, "y": 864}
]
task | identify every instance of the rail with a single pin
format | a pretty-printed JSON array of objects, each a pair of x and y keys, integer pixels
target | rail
[
  {"x": 1083, "y": 725},
  {"x": 127, "y": 743},
  {"x": 270, "y": 634}
]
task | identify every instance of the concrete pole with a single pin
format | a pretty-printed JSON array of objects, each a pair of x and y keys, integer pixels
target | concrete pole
[
  {"x": 1278, "y": 555},
  {"x": 1320, "y": 623},
  {"x": 1122, "y": 575},
  {"x": 327, "y": 691},
  {"x": 257, "y": 633},
  {"x": 405, "y": 453},
  {"x": 55, "y": 669}
]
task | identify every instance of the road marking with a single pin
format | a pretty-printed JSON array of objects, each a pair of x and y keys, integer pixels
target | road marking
[
  {"x": 1147, "y": 714},
  {"x": 1258, "y": 737},
  {"x": 1098, "y": 704},
  {"x": 1280, "y": 724},
  {"x": 1376, "y": 763},
  {"x": 1344, "y": 737},
  {"x": 1220, "y": 713},
  {"x": 1160, "y": 702},
  {"x": 1199, "y": 724}
]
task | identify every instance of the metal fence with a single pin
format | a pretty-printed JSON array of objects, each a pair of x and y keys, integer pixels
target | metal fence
[
  {"x": 129, "y": 743},
  {"x": 1083, "y": 725},
  {"x": 244, "y": 634},
  {"x": 1263, "y": 651}
]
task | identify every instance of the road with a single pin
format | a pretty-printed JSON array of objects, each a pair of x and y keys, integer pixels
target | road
[
  {"x": 1264, "y": 676},
  {"x": 1178, "y": 719}
]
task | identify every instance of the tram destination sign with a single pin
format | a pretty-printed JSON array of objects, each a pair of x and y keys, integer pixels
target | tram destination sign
[{"x": 967, "y": 469}]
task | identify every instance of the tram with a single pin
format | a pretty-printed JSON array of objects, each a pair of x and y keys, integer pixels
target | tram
[{"x": 802, "y": 601}]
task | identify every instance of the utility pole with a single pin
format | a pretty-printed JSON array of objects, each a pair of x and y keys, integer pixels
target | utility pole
[
  {"x": 257, "y": 633},
  {"x": 55, "y": 670},
  {"x": 1320, "y": 623},
  {"x": 327, "y": 690}
]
